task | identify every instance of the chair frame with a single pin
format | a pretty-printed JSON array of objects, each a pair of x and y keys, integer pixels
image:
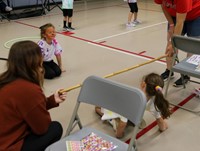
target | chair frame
[
  {"x": 127, "y": 101},
  {"x": 3, "y": 16},
  {"x": 76, "y": 120},
  {"x": 188, "y": 45}
]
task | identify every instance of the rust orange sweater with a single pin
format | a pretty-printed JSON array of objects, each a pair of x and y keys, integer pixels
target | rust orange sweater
[{"x": 23, "y": 109}]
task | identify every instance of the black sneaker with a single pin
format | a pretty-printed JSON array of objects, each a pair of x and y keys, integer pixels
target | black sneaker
[
  {"x": 65, "y": 28},
  {"x": 179, "y": 82},
  {"x": 71, "y": 28},
  {"x": 165, "y": 75}
]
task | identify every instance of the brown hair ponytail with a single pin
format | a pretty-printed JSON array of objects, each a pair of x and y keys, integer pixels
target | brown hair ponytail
[{"x": 154, "y": 85}]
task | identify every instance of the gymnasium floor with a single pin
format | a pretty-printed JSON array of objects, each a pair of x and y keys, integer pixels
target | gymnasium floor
[{"x": 100, "y": 45}]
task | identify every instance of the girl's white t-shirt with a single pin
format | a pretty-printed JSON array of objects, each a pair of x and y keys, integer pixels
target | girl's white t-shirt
[
  {"x": 49, "y": 50},
  {"x": 152, "y": 109}
]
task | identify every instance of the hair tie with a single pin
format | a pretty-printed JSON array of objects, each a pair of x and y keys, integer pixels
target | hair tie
[{"x": 158, "y": 88}]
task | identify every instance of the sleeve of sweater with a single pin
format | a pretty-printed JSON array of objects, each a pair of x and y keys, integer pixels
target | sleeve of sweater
[
  {"x": 51, "y": 102},
  {"x": 33, "y": 108}
]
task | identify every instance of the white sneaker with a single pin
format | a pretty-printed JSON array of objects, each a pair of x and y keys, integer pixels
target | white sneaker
[
  {"x": 65, "y": 28},
  {"x": 130, "y": 25},
  {"x": 136, "y": 22},
  {"x": 8, "y": 9}
]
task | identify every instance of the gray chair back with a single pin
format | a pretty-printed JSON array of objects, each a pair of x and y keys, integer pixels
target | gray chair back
[
  {"x": 127, "y": 101},
  {"x": 187, "y": 44}
]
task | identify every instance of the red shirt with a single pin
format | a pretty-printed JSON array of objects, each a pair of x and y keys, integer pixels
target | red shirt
[
  {"x": 191, "y": 7},
  {"x": 23, "y": 109}
]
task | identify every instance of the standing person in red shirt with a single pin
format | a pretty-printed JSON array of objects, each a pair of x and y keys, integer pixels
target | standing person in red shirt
[
  {"x": 25, "y": 123},
  {"x": 183, "y": 18}
]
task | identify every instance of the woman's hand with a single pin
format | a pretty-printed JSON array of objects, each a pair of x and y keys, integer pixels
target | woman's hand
[{"x": 60, "y": 97}]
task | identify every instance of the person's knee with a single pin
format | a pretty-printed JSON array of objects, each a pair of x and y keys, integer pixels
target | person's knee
[
  {"x": 49, "y": 75},
  {"x": 57, "y": 127},
  {"x": 58, "y": 72}
]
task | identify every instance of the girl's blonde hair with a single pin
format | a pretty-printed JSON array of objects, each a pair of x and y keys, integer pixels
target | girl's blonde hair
[{"x": 43, "y": 29}]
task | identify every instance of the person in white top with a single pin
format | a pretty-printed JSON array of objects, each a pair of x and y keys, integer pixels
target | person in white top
[
  {"x": 67, "y": 7},
  {"x": 132, "y": 15},
  {"x": 50, "y": 47}
]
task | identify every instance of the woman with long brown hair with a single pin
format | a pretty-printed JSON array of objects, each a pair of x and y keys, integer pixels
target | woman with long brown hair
[{"x": 25, "y": 123}]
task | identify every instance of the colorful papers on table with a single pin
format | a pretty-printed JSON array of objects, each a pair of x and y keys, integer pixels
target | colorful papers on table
[
  {"x": 74, "y": 145},
  {"x": 93, "y": 142}
]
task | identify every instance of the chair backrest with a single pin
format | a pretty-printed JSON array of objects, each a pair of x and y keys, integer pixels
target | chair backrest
[
  {"x": 127, "y": 101},
  {"x": 187, "y": 44}
]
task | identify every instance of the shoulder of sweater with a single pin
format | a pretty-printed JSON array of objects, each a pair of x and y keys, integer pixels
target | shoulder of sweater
[{"x": 24, "y": 84}]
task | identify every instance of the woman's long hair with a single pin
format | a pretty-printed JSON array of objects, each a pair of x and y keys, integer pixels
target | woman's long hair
[
  {"x": 24, "y": 61},
  {"x": 154, "y": 85}
]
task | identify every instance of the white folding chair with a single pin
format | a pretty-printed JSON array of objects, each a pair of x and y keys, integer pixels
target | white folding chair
[
  {"x": 188, "y": 45},
  {"x": 127, "y": 101}
]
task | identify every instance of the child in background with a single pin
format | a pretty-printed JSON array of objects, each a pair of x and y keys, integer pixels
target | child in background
[
  {"x": 67, "y": 6},
  {"x": 157, "y": 105},
  {"x": 133, "y": 13},
  {"x": 50, "y": 47}
]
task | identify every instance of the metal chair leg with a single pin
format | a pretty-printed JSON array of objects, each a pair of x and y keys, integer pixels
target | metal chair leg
[{"x": 3, "y": 16}]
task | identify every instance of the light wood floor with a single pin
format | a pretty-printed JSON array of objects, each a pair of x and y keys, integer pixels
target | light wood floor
[{"x": 100, "y": 45}]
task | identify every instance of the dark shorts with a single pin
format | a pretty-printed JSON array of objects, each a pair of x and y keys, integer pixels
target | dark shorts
[
  {"x": 68, "y": 12},
  {"x": 191, "y": 28},
  {"x": 133, "y": 7}
]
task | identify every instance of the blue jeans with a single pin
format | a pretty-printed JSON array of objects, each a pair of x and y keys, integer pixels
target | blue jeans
[{"x": 191, "y": 28}]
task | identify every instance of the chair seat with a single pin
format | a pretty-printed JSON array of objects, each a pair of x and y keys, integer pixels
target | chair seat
[
  {"x": 186, "y": 68},
  {"x": 61, "y": 145}
]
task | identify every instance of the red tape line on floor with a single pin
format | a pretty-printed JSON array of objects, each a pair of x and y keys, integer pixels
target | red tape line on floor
[{"x": 153, "y": 124}]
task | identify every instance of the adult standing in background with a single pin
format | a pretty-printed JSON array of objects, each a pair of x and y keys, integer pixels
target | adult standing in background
[{"x": 183, "y": 18}]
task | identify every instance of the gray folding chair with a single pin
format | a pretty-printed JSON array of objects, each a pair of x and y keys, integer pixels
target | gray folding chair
[
  {"x": 127, "y": 101},
  {"x": 188, "y": 45},
  {"x": 3, "y": 15}
]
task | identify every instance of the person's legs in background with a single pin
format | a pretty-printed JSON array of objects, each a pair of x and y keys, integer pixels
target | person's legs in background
[
  {"x": 4, "y": 7},
  {"x": 135, "y": 8},
  {"x": 130, "y": 15},
  {"x": 192, "y": 29},
  {"x": 70, "y": 14},
  {"x": 65, "y": 19},
  {"x": 165, "y": 74}
]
